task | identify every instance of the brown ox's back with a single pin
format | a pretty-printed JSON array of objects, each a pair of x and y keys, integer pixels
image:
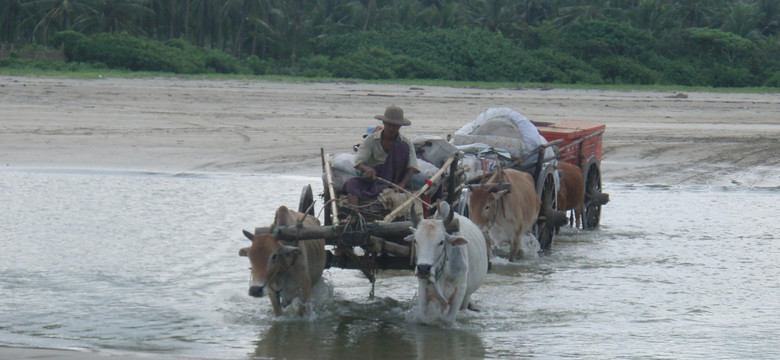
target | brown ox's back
[
  {"x": 313, "y": 250},
  {"x": 572, "y": 193},
  {"x": 517, "y": 210}
]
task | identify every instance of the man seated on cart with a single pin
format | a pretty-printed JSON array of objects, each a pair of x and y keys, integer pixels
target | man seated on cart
[{"x": 384, "y": 154}]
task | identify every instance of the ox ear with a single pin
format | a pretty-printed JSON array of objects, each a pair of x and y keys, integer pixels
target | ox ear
[
  {"x": 444, "y": 210},
  {"x": 243, "y": 252},
  {"x": 249, "y": 235},
  {"x": 410, "y": 237},
  {"x": 457, "y": 240}
]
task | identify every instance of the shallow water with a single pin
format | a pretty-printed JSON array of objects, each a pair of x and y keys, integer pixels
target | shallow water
[{"x": 148, "y": 263}]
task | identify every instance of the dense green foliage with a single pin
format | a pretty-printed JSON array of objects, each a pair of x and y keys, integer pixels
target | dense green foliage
[{"x": 716, "y": 43}]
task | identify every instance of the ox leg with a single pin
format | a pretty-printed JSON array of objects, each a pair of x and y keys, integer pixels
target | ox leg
[
  {"x": 275, "y": 302},
  {"x": 468, "y": 305},
  {"x": 297, "y": 307},
  {"x": 456, "y": 301},
  {"x": 514, "y": 249},
  {"x": 488, "y": 243}
]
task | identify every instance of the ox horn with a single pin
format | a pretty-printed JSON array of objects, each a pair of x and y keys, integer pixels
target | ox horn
[
  {"x": 249, "y": 235},
  {"x": 413, "y": 215},
  {"x": 451, "y": 225}
]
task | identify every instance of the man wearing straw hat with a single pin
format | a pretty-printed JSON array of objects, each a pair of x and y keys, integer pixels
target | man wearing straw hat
[{"x": 384, "y": 154}]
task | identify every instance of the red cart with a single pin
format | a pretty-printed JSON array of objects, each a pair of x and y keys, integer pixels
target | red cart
[{"x": 581, "y": 145}]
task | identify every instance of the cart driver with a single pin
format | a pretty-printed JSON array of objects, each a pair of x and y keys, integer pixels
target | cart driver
[{"x": 385, "y": 154}]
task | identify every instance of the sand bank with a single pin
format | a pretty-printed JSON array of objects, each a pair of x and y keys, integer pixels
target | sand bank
[{"x": 176, "y": 125}]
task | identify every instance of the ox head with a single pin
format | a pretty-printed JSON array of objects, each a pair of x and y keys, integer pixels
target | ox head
[
  {"x": 483, "y": 201},
  {"x": 269, "y": 259},
  {"x": 431, "y": 238}
]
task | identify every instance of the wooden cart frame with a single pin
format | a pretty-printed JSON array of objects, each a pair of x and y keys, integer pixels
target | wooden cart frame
[{"x": 380, "y": 245}]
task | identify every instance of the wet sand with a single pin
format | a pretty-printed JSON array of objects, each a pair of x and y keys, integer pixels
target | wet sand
[
  {"x": 237, "y": 126},
  {"x": 175, "y": 125}
]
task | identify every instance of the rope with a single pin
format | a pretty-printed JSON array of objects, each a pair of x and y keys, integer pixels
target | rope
[
  {"x": 440, "y": 268},
  {"x": 404, "y": 190}
]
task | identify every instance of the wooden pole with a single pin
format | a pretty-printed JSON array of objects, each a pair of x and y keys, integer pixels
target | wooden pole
[
  {"x": 292, "y": 232},
  {"x": 381, "y": 246},
  {"x": 326, "y": 165},
  {"x": 425, "y": 187}
]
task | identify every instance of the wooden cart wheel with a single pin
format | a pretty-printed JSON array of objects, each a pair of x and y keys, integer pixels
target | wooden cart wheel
[
  {"x": 307, "y": 199},
  {"x": 593, "y": 202},
  {"x": 545, "y": 230}
]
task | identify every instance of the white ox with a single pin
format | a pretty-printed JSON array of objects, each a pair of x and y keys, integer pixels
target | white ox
[
  {"x": 507, "y": 214},
  {"x": 452, "y": 263},
  {"x": 285, "y": 270}
]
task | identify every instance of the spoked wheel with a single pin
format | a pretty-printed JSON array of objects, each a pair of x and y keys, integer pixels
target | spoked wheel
[
  {"x": 306, "y": 204},
  {"x": 545, "y": 229},
  {"x": 594, "y": 198}
]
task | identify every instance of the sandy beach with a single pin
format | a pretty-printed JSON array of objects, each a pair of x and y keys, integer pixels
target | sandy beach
[{"x": 176, "y": 126}]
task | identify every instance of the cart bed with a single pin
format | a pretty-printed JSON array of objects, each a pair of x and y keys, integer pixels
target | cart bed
[{"x": 571, "y": 131}]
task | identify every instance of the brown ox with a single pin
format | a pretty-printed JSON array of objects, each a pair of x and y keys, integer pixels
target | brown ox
[
  {"x": 571, "y": 196},
  {"x": 285, "y": 270},
  {"x": 508, "y": 213}
]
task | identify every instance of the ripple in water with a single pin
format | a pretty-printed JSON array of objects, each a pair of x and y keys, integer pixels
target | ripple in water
[{"x": 148, "y": 263}]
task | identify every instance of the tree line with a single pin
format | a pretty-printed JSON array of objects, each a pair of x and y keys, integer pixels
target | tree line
[{"x": 686, "y": 42}]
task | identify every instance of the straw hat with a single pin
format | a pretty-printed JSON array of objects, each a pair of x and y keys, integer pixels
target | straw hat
[{"x": 394, "y": 115}]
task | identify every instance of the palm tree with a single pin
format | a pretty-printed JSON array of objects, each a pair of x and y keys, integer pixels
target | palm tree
[
  {"x": 495, "y": 15},
  {"x": 586, "y": 10},
  {"x": 695, "y": 13},
  {"x": 284, "y": 25},
  {"x": 742, "y": 19},
  {"x": 56, "y": 15},
  {"x": 769, "y": 16},
  {"x": 653, "y": 16},
  {"x": 115, "y": 16},
  {"x": 536, "y": 11},
  {"x": 12, "y": 15},
  {"x": 440, "y": 14},
  {"x": 239, "y": 11},
  {"x": 400, "y": 14}
]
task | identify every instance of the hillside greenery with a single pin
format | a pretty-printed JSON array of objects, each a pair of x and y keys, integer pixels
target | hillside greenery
[{"x": 711, "y": 43}]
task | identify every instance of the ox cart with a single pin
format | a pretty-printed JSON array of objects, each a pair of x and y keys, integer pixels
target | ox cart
[
  {"x": 580, "y": 145},
  {"x": 371, "y": 238}
]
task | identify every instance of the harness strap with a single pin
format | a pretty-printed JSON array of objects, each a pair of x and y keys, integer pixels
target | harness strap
[{"x": 440, "y": 267}]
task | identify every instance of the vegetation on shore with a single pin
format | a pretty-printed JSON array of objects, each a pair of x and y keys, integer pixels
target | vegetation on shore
[{"x": 694, "y": 43}]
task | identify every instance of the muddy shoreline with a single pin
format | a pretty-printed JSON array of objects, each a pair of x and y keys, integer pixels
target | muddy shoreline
[{"x": 180, "y": 125}]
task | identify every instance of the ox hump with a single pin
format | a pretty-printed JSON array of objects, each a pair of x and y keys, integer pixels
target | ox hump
[{"x": 283, "y": 216}]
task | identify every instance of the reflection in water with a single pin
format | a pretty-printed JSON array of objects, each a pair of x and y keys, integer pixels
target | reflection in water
[
  {"x": 354, "y": 337},
  {"x": 436, "y": 343}
]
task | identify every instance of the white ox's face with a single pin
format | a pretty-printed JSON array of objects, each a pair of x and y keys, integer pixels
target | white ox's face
[{"x": 431, "y": 241}]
